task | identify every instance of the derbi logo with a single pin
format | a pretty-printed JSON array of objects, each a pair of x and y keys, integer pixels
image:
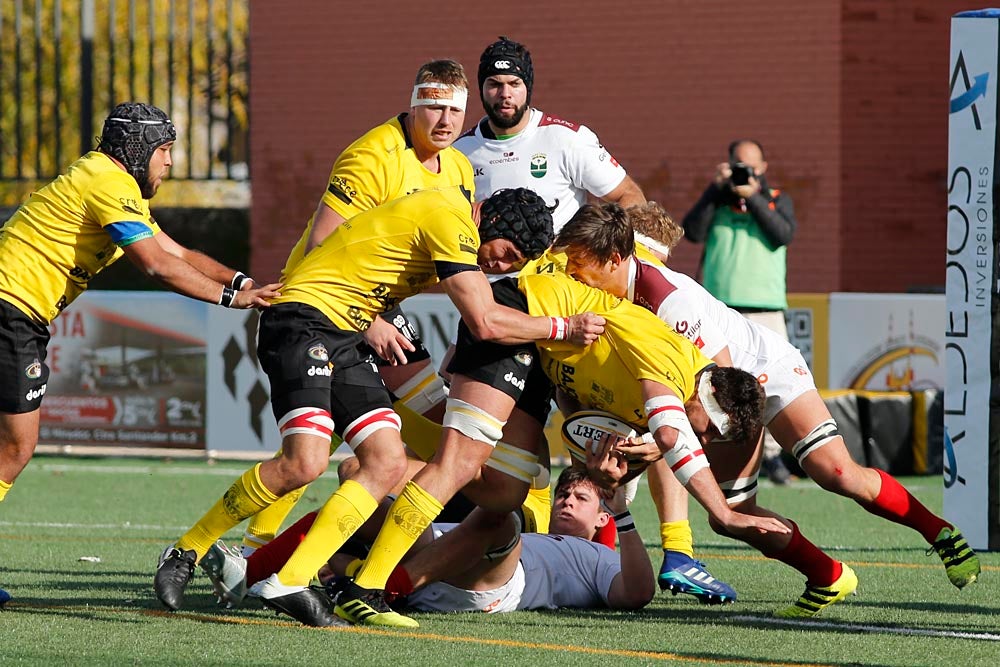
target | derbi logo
[{"x": 971, "y": 92}]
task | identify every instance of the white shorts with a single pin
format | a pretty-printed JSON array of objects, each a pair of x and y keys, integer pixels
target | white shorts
[
  {"x": 784, "y": 380},
  {"x": 443, "y": 597}
]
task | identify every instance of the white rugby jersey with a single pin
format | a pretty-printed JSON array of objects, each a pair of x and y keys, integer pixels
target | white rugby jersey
[
  {"x": 685, "y": 305},
  {"x": 564, "y": 571},
  {"x": 560, "y": 160}
]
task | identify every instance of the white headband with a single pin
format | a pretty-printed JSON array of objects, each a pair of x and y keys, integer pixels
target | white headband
[
  {"x": 712, "y": 408},
  {"x": 443, "y": 94},
  {"x": 652, "y": 244}
]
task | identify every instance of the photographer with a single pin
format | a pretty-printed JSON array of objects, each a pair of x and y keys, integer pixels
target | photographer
[{"x": 745, "y": 226}]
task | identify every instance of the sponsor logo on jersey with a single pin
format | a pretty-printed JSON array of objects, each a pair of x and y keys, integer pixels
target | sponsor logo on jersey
[
  {"x": 552, "y": 120},
  {"x": 319, "y": 352},
  {"x": 34, "y": 370},
  {"x": 130, "y": 205},
  {"x": 35, "y": 393},
  {"x": 320, "y": 370},
  {"x": 479, "y": 171},
  {"x": 340, "y": 189},
  {"x": 508, "y": 156},
  {"x": 539, "y": 165},
  {"x": 523, "y": 358},
  {"x": 798, "y": 370},
  {"x": 514, "y": 380}
]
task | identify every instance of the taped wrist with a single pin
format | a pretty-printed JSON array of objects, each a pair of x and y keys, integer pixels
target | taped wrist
[
  {"x": 228, "y": 294},
  {"x": 239, "y": 279},
  {"x": 559, "y": 328},
  {"x": 624, "y": 522}
]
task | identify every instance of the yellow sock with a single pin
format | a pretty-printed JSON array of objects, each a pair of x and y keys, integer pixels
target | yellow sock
[
  {"x": 265, "y": 524},
  {"x": 676, "y": 536},
  {"x": 245, "y": 497},
  {"x": 412, "y": 512},
  {"x": 537, "y": 509},
  {"x": 418, "y": 432},
  {"x": 342, "y": 514},
  {"x": 4, "y": 488}
]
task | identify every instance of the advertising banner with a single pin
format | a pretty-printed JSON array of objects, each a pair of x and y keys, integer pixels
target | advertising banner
[
  {"x": 970, "y": 497},
  {"x": 127, "y": 369},
  {"x": 886, "y": 342}
]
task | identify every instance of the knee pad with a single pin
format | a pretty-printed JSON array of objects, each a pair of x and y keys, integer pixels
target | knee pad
[
  {"x": 422, "y": 391},
  {"x": 823, "y": 433},
  {"x": 361, "y": 428},
  {"x": 472, "y": 422},
  {"x": 517, "y": 463}
]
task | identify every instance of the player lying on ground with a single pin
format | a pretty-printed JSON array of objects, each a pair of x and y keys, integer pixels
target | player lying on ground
[{"x": 493, "y": 567}]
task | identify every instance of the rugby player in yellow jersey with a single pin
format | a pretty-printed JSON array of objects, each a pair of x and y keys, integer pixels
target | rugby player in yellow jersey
[
  {"x": 324, "y": 379},
  {"x": 409, "y": 152},
  {"x": 65, "y": 234},
  {"x": 639, "y": 369}
]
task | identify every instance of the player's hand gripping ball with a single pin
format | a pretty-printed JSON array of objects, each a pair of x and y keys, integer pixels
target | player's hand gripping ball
[{"x": 591, "y": 425}]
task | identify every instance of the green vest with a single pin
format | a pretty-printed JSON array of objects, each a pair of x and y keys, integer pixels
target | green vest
[{"x": 742, "y": 268}]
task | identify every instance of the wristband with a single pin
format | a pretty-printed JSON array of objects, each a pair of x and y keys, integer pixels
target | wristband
[
  {"x": 228, "y": 294},
  {"x": 559, "y": 328},
  {"x": 239, "y": 279},
  {"x": 624, "y": 522}
]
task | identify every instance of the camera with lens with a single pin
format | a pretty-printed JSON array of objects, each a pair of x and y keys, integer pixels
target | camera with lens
[{"x": 741, "y": 173}]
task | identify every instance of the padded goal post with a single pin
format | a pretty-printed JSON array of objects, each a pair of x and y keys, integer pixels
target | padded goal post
[{"x": 972, "y": 350}]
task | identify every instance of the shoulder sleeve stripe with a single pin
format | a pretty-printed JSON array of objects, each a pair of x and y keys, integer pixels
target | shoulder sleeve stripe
[
  {"x": 128, "y": 232},
  {"x": 448, "y": 269}
]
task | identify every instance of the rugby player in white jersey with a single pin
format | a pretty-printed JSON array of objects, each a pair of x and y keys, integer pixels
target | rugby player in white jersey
[
  {"x": 600, "y": 247},
  {"x": 516, "y": 145}
]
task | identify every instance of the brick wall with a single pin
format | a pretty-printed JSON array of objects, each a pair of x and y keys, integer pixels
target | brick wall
[{"x": 849, "y": 99}]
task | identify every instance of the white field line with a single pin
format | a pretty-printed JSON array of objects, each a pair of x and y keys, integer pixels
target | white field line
[{"x": 871, "y": 629}]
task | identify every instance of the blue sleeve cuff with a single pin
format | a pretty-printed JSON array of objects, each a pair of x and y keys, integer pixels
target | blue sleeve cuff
[{"x": 128, "y": 232}]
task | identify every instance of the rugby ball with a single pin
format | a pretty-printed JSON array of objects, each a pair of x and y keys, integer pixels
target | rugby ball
[{"x": 586, "y": 425}]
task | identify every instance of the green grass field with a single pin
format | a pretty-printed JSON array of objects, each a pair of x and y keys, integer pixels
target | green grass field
[{"x": 123, "y": 511}]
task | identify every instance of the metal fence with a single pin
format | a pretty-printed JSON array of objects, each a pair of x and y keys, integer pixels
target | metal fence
[{"x": 64, "y": 64}]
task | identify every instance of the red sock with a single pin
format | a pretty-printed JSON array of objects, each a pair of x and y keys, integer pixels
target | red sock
[
  {"x": 398, "y": 584},
  {"x": 810, "y": 560},
  {"x": 896, "y": 504},
  {"x": 606, "y": 535},
  {"x": 270, "y": 558}
]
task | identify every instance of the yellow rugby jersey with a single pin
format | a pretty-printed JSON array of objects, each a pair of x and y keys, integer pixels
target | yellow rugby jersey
[
  {"x": 67, "y": 232},
  {"x": 382, "y": 256},
  {"x": 636, "y": 345},
  {"x": 379, "y": 167}
]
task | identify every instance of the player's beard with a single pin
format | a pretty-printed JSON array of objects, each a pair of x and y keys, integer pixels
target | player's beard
[
  {"x": 503, "y": 122},
  {"x": 148, "y": 189}
]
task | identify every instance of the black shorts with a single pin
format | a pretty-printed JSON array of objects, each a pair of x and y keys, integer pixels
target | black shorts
[
  {"x": 516, "y": 370},
  {"x": 23, "y": 344},
  {"x": 397, "y": 318},
  {"x": 312, "y": 364}
]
